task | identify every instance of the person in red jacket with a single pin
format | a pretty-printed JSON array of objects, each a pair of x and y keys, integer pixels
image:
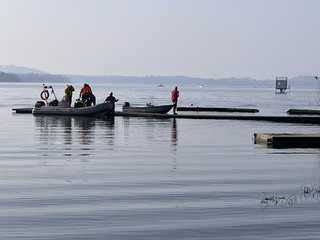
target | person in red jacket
[
  {"x": 86, "y": 88},
  {"x": 174, "y": 99},
  {"x": 87, "y": 96}
]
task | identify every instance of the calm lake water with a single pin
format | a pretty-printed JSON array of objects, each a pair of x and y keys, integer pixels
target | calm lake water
[{"x": 146, "y": 178}]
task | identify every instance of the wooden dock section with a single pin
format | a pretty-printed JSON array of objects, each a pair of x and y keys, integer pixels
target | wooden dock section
[
  {"x": 285, "y": 119},
  {"x": 303, "y": 112},
  {"x": 287, "y": 140},
  {"x": 22, "y": 110},
  {"x": 212, "y": 109}
]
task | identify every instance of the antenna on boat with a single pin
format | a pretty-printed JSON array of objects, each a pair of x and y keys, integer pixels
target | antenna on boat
[{"x": 317, "y": 91}]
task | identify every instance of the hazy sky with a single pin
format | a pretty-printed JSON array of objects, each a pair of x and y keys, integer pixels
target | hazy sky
[{"x": 200, "y": 38}]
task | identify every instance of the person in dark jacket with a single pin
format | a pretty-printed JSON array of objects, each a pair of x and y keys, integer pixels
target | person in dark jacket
[{"x": 113, "y": 100}]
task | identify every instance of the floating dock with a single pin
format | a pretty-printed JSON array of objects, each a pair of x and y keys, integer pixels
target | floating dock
[
  {"x": 287, "y": 140},
  {"x": 286, "y": 119},
  {"x": 22, "y": 110},
  {"x": 303, "y": 112},
  {"x": 212, "y": 109}
]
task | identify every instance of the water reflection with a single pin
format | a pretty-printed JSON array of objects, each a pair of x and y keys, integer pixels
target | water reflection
[
  {"x": 151, "y": 129},
  {"x": 61, "y": 134},
  {"x": 54, "y": 129},
  {"x": 109, "y": 120},
  {"x": 84, "y": 127},
  {"x": 82, "y": 136},
  {"x": 157, "y": 133},
  {"x": 174, "y": 142},
  {"x": 174, "y": 133},
  {"x": 110, "y": 134}
]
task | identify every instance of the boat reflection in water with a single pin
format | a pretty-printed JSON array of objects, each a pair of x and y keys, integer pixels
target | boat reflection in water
[
  {"x": 67, "y": 136},
  {"x": 83, "y": 136},
  {"x": 53, "y": 128}
]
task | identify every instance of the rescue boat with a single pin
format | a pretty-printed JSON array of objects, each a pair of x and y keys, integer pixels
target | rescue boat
[
  {"x": 62, "y": 107},
  {"x": 99, "y": 110}
]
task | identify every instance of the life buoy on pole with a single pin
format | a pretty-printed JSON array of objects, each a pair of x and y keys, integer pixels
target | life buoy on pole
[{"x": 44, "y": 95}]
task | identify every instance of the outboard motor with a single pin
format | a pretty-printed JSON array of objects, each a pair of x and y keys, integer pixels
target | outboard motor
[
  {"x": 39, "y": 104},
  {"x": 126, "y": 104}
]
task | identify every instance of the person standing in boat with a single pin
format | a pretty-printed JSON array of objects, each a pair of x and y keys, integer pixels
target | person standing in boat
[
  {"x": 87, "y": 96},
  {"x": 68, "y": 90},
  {"x": 113, "y": 101},
  {"x": 174, "y": 98}
]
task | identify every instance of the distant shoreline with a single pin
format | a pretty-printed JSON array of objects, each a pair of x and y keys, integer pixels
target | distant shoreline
[{"x": 37, "y": 76}]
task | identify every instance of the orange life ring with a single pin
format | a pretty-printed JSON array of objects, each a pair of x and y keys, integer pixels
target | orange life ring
[{"x": 44, "y": 95}]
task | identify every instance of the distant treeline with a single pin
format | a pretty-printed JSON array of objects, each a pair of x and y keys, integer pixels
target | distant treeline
[
  {"x": 9, "y": 77},
  {"x": 33, "y": 77},
  {"x": 300, "y": 81}
]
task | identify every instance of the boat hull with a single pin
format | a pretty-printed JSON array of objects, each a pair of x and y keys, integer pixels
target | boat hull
[
  {"x": 148, "y": 109},
  {"x": 99, "y": 110}
]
